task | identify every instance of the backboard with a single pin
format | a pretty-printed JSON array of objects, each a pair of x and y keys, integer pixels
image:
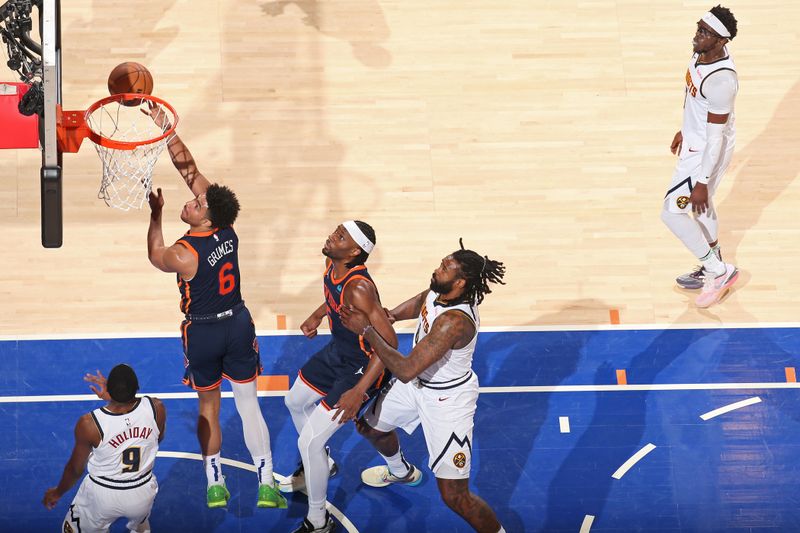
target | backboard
[
  {"x": 50, "y": 176},
  {"x": 37, "y": 61}
]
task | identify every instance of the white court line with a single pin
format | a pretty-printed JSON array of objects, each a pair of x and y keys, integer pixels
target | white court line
[
  {"x": 563, "y": 424},
  {"x": 494, "y": 329},
  {"x": 730, "y": 407},
  {"x": 587, "y": 523},
  {"x": 348, "y": 525},
  {"x": 635, "y": 458},
  {"x": 485, "y": 390}
]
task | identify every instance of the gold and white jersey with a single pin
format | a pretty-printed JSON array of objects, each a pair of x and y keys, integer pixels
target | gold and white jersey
[
  {"x": 456, "y": 365},
  {"x": 710, "y": 87},
  {"x": 128, "y": 446}
]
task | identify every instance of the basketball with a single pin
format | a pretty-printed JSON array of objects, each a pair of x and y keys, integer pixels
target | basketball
[{"x": 130, "y": 77}]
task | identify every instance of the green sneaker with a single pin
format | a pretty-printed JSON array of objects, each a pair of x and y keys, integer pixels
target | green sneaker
[
  {"x": 217, "y": 496},
  {"x": 270, "y": 496}
]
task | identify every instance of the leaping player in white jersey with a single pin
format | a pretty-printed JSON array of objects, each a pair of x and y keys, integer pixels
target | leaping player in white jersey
[
  {"x": 119, "y": 442},
  {"x": 434, "y": 385},
  {"x": 704, "y": 147}
]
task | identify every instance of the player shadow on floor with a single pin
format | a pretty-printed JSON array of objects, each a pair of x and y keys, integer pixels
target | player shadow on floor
[{"x": 764, "y": 169}]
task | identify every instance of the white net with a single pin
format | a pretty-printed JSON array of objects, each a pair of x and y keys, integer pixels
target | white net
[{"x": 128, "y": 173}]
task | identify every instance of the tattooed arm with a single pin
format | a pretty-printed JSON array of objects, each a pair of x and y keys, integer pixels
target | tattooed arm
[{"x": 451, "y": 329}]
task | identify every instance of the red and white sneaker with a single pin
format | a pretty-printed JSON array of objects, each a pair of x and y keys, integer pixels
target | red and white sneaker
[{"x": 715, "y": 288}]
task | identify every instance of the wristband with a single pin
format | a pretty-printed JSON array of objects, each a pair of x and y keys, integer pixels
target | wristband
[{"x": 366, "y": 328}]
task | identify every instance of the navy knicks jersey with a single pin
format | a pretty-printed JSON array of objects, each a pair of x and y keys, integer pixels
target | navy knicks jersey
[
  {"x": 346, "y": 340},
  {"x": 215, "y": 287}
]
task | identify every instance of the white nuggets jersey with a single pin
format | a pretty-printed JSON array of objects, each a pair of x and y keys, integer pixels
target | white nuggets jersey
[
  {"x": 698, "y": 103},
  {"x": 128, "y": 446},
  {"x": 456, "y": 365}
]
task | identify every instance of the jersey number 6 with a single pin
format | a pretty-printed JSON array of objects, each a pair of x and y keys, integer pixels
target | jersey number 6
[{"x": 226, "y": 280}]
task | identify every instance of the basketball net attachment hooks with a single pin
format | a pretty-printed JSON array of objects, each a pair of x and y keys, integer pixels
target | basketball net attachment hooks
[{"x": 129, "y": 132}]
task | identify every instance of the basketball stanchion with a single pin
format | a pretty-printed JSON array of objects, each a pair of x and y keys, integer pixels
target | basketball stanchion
[{"x": 129, "y": 131}]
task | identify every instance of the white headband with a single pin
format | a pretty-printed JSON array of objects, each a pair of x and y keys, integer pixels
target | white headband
[
  {"x": 361, "y": 240},
  {"x": 711, "y": 19}
]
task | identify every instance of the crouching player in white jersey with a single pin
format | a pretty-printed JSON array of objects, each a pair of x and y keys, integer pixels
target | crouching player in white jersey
[
  {"x": 119, "y": 441},
  {"x": 434, "y": 385},
  {"x": 705, "y": 147}
]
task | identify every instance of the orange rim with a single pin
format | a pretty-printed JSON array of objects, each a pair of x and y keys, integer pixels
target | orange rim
[{"x": 128, "y": 145}]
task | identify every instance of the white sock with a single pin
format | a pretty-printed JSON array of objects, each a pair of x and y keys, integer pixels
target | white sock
[
  {"x": 712, "y": 263},
  {"x": 397, "y": 464},
  {"x": 501, "y": 530},
  {"x": 263, "y": 466},
  {"x": 717, "y": 251},
  {"x": 316, "y": 514},
  {"x": 213, "y": 469}
]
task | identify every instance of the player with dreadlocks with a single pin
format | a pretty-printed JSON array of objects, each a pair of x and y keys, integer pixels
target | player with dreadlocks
[{"x": 434, "y": 385}]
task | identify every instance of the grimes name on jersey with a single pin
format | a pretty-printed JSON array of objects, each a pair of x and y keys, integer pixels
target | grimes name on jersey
[
  {"x": 220, "y": 251},
  {"x": 130, "y": 433}
]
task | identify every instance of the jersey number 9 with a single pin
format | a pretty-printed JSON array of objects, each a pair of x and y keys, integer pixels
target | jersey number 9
[{"x": 131, "y": 458}]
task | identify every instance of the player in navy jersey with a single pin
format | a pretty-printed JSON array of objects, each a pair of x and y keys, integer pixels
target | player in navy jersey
[
  {"x": 333, "y": 385},
  {"x": 219, "y": 337}
]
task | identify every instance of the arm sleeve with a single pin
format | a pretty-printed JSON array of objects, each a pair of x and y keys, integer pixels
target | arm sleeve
[{"x": 720, "y": 90}]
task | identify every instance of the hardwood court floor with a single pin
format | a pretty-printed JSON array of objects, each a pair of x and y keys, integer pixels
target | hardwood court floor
[{"x": 536, "y": 130}]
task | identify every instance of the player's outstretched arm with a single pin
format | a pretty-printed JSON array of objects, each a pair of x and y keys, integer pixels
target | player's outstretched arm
[
  {"x": 410, "y": 308},
  {"x": 86, "y": 436},
  {"x": 181, "y": 156},
  {"x": 184, "y": 161},
  {"x": 449, "y": 330}
]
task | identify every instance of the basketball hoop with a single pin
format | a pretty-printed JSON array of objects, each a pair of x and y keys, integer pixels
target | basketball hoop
[{"x": 129, "y": 132}]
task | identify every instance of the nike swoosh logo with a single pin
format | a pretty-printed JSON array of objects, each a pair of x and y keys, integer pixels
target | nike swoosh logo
[
  {"x": 693, "y": 150},
  {"x": 443, "y": 399}
]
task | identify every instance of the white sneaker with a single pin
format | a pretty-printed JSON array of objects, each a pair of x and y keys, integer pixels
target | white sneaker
[
  {"x": 715, "y": 288},
  {"x": 379, "y": 476}
]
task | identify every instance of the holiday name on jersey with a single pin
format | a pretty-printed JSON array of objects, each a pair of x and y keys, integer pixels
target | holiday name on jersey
[
  {"x": 130, "y": 433},
  {"x": 220, "y": 251}
]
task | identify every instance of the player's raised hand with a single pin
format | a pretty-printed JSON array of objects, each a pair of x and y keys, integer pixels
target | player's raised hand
[
  {"x": 157, "y": 113},
  {"x": 98, "y": 385},
  {"x": 677, "y": 141},
  {"x": 156, "y": 201}
]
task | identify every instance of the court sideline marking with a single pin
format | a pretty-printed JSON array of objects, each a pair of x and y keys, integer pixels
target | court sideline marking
[{"x": 483, "y": 390}]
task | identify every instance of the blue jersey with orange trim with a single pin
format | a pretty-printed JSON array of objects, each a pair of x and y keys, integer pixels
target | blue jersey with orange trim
[
  {"x": 215, "y": 287},
  {"x": 346, "y": 340}
]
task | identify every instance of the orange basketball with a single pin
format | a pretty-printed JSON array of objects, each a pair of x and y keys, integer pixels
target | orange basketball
[{"x": 130, "y": 77}]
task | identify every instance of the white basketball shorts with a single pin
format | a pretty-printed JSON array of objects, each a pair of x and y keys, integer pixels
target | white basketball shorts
[
  {"x": 447, "y": 418},
  {"x": 685, "y": 177},
  {"x": 96, "y": 507}
]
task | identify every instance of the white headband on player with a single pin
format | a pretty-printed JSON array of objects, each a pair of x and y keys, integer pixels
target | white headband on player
[
  {"x": 361, "y": 240},
  {"x": 712, "y": 20}
]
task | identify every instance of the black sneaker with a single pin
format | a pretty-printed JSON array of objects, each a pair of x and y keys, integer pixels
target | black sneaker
[
  {"x": 692, "y": 280},
  {"x": 308, "y": 527}
]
